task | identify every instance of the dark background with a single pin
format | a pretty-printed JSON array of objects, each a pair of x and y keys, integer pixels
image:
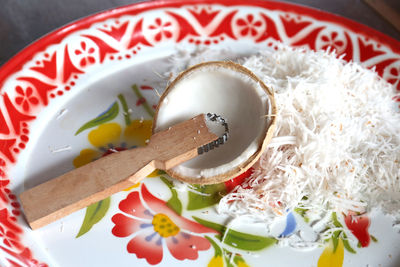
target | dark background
[{"x": 24, "y": 21}]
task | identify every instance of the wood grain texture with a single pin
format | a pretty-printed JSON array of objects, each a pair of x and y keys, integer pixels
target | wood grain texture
[{"x": 98, "y": 180}]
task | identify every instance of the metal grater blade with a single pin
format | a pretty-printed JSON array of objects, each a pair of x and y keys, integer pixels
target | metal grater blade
[{"x": 221, "y": 140}]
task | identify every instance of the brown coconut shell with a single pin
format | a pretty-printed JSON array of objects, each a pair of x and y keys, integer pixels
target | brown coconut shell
[{"x": 267, "y": 136}]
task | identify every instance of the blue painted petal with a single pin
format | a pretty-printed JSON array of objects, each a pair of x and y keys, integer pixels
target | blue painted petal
[
  {"x": 158, "y": 243},
  {"x": 145, "y": 225},
  {"x": 148, "y": 213},
  {"x": 174, "y": 240},
  {"x": 150, "y": 237},
  {"x": 185, "y": 235},
  {"x": 101, "y": 114},
  {"x": 290, "y": 225}
]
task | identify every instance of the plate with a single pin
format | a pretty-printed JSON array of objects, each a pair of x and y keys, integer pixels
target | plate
[{"x": 86, "y": 90}]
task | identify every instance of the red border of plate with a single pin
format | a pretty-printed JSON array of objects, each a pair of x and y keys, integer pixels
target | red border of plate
[{"x": 17, "y": 62}]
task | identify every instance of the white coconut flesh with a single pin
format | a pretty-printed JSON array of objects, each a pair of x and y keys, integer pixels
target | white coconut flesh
[{"x": 226, "y": 90}]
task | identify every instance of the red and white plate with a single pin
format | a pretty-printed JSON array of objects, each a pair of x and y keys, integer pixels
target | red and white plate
[{"x": 85, "y": 90}]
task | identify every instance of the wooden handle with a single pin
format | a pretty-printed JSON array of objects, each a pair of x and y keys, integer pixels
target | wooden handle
[
  {"x": 86, "y": 185},
  {"x": 97, "y": 180}
]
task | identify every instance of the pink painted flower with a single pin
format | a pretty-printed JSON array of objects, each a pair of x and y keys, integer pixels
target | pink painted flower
[
  {"x": 162, "y": 29},
  {"x": 87, "y": 55},
  {"x": 154, "y": 225},
  {"x": 249, "y": 26},
  {"x": 332, "y": 41},
  {"x": 25, "y": 98}
]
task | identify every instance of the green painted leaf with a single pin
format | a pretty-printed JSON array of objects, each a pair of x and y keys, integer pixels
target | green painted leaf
[
  {"x": 160, "y": 172},
  {"x": 373, "y": 238},
  {"x": 248, "y": 242},
  {"x": 108, "y": 115},
  {"x": 335, "y": 239},
  {"x": 237, "y": 239},
  {"x": 239, "y": 259},
  {"x": 174, "y": 202},
  {"x": 347, "y": 246},
  {"x": 227, "y": 257},
  {"x": 145, "y": 105},
  {"x": 217, "y": 227},
  {"x": 208, "y": 195},
  {"x": 302, "y": 212},
  {"x": 335, "y": 220},
  {"x": 125, "y": 109},
  {"x": 94, "y": 213},
  {"x": 217, "y": 249}
]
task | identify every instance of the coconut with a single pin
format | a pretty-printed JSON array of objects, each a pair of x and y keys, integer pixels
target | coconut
[{"x": 236, "y": 94}]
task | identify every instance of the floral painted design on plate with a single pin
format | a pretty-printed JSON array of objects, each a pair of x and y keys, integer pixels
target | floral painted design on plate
[{"x": 67, "y": 100}]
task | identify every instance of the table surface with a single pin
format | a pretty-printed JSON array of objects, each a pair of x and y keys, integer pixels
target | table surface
[{"x": 24, "y": 21}]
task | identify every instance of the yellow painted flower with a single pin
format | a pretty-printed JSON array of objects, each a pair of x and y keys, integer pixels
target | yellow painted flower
[
  {"x": 110, "y": 137},
  {"x": 331, "y": 258},
  {"x": 216, "y": 261},
  {"x": 105, "y": 134},
  {"x": 242, "y": 264},
  {"x": 131, "y": 187},
  {"x": 87, "y": 155},
  {"x": 138, "y": 132},
  {"x": 102, "y": 138}
]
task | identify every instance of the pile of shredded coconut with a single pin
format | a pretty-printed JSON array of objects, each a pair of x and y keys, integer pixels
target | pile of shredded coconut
[{"x": 337, "y": 142}]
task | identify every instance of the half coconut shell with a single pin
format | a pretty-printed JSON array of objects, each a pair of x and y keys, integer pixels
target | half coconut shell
[{"x": 233, "y": 92}]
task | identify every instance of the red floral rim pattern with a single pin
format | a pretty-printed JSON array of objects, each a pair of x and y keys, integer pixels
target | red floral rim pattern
[{"x": 52, "y": 66}]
